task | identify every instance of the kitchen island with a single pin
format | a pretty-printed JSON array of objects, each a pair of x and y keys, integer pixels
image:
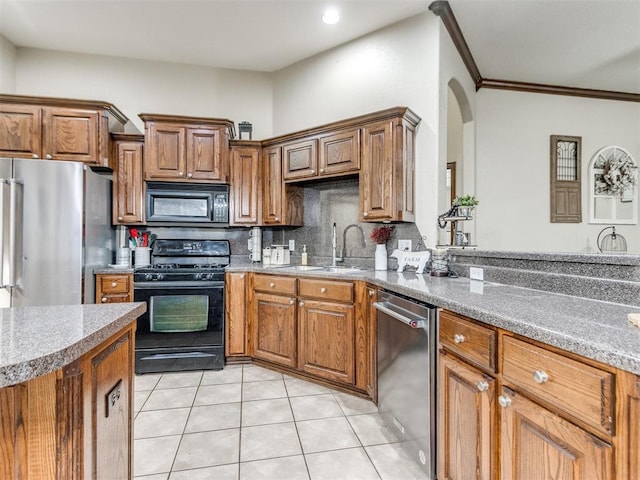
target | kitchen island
[{"x": 66, "y": 390}]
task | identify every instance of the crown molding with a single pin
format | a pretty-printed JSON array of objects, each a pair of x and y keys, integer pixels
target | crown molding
[{"x": 442, "y": 9}]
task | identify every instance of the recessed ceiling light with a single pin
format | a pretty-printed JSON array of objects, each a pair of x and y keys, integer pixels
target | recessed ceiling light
[{"x": 331, "y": 16}]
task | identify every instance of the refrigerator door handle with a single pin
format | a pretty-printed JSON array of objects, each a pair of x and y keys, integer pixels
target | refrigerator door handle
[
  {"x": 4, "y": 229},
  {"x": 16, "y": 195}
]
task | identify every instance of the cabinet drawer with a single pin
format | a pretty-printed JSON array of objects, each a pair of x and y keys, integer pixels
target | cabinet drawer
[
  {"x": 115, "y": 283},
  {"x": 470, "y": 341},
  {"x": 275, "y": 284},
  {"x": 337, "y": 291},
  {"x": 580, "y": 390}
]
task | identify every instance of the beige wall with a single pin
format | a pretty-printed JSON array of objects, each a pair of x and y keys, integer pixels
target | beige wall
[
  {"x": 8, "y": 57},
  {"x": 138, "y": 86},
  {"x": 513, "y": 166}
]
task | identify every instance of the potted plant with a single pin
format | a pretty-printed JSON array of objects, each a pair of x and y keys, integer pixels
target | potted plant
[
  {"x": 380, "y": 236},
  {"x": 465, "y": 204}
]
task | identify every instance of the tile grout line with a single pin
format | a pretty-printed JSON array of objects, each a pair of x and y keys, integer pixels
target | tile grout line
[{"x": 295, "y": 424}]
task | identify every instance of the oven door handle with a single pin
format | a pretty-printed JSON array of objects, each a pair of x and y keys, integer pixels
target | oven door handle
[{"x": 153, "y": 285}]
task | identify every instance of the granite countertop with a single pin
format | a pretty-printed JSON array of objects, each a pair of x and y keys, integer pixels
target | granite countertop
[
  {"x": 111, "y": 270},
  {"x": 35, "y": 341},
  {"x": 594, "y": 329}
]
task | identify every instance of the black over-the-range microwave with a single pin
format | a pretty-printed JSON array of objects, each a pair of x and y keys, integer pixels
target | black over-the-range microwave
[{"x": 187, "y": 203}]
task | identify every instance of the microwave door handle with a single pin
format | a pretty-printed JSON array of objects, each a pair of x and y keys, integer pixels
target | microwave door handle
[{"x": 16, "y": 195}]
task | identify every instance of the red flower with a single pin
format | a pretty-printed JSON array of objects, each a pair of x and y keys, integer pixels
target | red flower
[{"x": 382, "y": 234}]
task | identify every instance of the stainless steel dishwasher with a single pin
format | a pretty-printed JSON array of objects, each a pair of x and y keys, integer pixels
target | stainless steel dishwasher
[{"x": 406, "y": 374}]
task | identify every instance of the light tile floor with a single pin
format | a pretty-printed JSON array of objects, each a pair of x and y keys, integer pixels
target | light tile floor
[{"x": 250, "y": 423}]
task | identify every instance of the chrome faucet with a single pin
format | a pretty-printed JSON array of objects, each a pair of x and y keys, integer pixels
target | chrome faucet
[{"x": 344, "y": 239}]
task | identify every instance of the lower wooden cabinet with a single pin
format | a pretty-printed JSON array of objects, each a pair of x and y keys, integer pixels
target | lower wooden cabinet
[
  {"x": 466, "y": 425},
  {"x": 273, "y": 328},
  {"x": 538, "y": 444},
  {"x": 73, "y": 423},
  {"x": 315, "y": 326},
  {"x": 326, "y": 340},
  {"x": 235, "y": 314},
  {"x": 114, "y": 288},
  {"x": 537, "y": 413}
]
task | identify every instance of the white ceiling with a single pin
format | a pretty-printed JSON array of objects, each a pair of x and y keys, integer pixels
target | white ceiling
[{"x": 576, "y": 43}]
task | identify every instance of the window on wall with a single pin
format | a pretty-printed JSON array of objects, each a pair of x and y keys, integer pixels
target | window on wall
[{"x": 566, "y": 185}]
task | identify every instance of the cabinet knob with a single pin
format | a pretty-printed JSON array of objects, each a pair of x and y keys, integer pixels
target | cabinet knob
[
  {"x": 323, "y": 290},
  {"x": 104, "y": 299},
  {"x": 272, "y": 285},
  {"x": 322, "y": 170},
  {"x": 365, "y": 214},
  {"x": 120, "y": 219},
  {"x": 301, "y": 304},
  {"x": 189, "y": 175},
  {"x": 277, "y": 219},
  {"x": 457, "y": 338},
  {"x": 313, "y": 171},
  {"x": 114, "y": 284},
  {"x": 504, "y": 401},
  {"x": 540, "y": 376},
  {"x": 242, "y": 275},
  {"x": 34, "y": 155},
  {"x": 181, "y": 174},
  {"x": 372, "y": 292},
  {"x": 482, "y": 386},
  {"x": 48, "y": 156},
  {"x": 291, "y": 302}
]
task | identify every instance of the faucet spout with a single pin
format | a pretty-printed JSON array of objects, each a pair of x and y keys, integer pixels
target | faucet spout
[
  {"x": 334, "y": 246},
  {"x": 344, "y": 238}
]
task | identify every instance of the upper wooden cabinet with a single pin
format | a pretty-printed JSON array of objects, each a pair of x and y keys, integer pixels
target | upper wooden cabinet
[
  {"x": 186, "y": 149},
  {"x": 58, "y": 129},
  {"x": 128, "y": 187},
  {"x": 300, "y": 159},
  {"x": 281, "y": 203},
  {"x": 387, "y": 172},
  {"x": 245, "y": 196}
]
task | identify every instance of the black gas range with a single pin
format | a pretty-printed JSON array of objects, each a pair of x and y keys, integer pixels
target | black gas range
[{"x": 183, "y": 328}]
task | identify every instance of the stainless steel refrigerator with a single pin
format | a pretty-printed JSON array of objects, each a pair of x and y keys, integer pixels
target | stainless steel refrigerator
[{"x": 55, "y": 229}]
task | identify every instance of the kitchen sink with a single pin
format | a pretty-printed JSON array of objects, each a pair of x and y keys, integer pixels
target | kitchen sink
[
  {"x": 298, "y": 268},
  {"x": 345, "y": 270}
]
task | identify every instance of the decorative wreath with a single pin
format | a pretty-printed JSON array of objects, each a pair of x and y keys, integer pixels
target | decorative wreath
[{"x": 619, "y": 172}]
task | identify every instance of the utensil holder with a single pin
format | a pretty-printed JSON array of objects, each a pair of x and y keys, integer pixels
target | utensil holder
[{"x": 142, "y": 256}]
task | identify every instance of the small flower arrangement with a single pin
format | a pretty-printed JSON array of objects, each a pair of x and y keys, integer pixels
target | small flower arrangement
[
  {"x": 466, "y": 201},
  {"x": 381, "y": 235}
]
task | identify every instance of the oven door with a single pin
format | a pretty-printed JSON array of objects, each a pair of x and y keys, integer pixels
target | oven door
[{"x": 183, "y": 328}]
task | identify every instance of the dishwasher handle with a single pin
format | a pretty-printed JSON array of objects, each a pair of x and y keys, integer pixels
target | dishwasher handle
[{"x": 413, "y": 323}]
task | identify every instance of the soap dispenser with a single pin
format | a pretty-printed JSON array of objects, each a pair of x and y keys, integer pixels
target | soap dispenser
[{"x": 304, "y": 260}]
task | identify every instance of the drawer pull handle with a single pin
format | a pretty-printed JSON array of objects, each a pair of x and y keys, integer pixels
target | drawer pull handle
[
  {"x": 372, "y": 292},
  {"x": 482, "y": 386},
  {"x": 272, "y": 285},
  {"x": 504, "y": 401},
  {"x": 104, "y": 299},
  {"x": 291, "y": 302},
  {"x": 457, "y": 338},
  {"x": 323, "y": 290},
  {"x": 540, "y": 376},
  {"x": 301, "y": 304},
  {"x": 114, "y": 284},
  {"x": 241, "y": 275}
]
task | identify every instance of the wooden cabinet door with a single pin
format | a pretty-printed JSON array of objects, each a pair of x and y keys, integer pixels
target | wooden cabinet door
[
  {"x": 245, "y": 186},
  {"x": 326, "y": 340},
  {"x": 273, "y": 328},
  {"x": 128, "y": 192},
  {"x": 20, "y": 131},
  {"x": 300, "y": 160},
  {"x": 466, "y": 421},
  {"x": 112, "y": 407},
  {"x": 340, "y": 153},
  {"x": 376, "y": 175},
  {"x": 536, "y": 444},
  {"x": 272, "y": 187},
  {"x": 165, "y": 152},
  {"x": 204, "y": 156},
  {"x": 71, "y": 134},
  {"x": 114, "y": 288},
  {"x": 235, "y": 318}
]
